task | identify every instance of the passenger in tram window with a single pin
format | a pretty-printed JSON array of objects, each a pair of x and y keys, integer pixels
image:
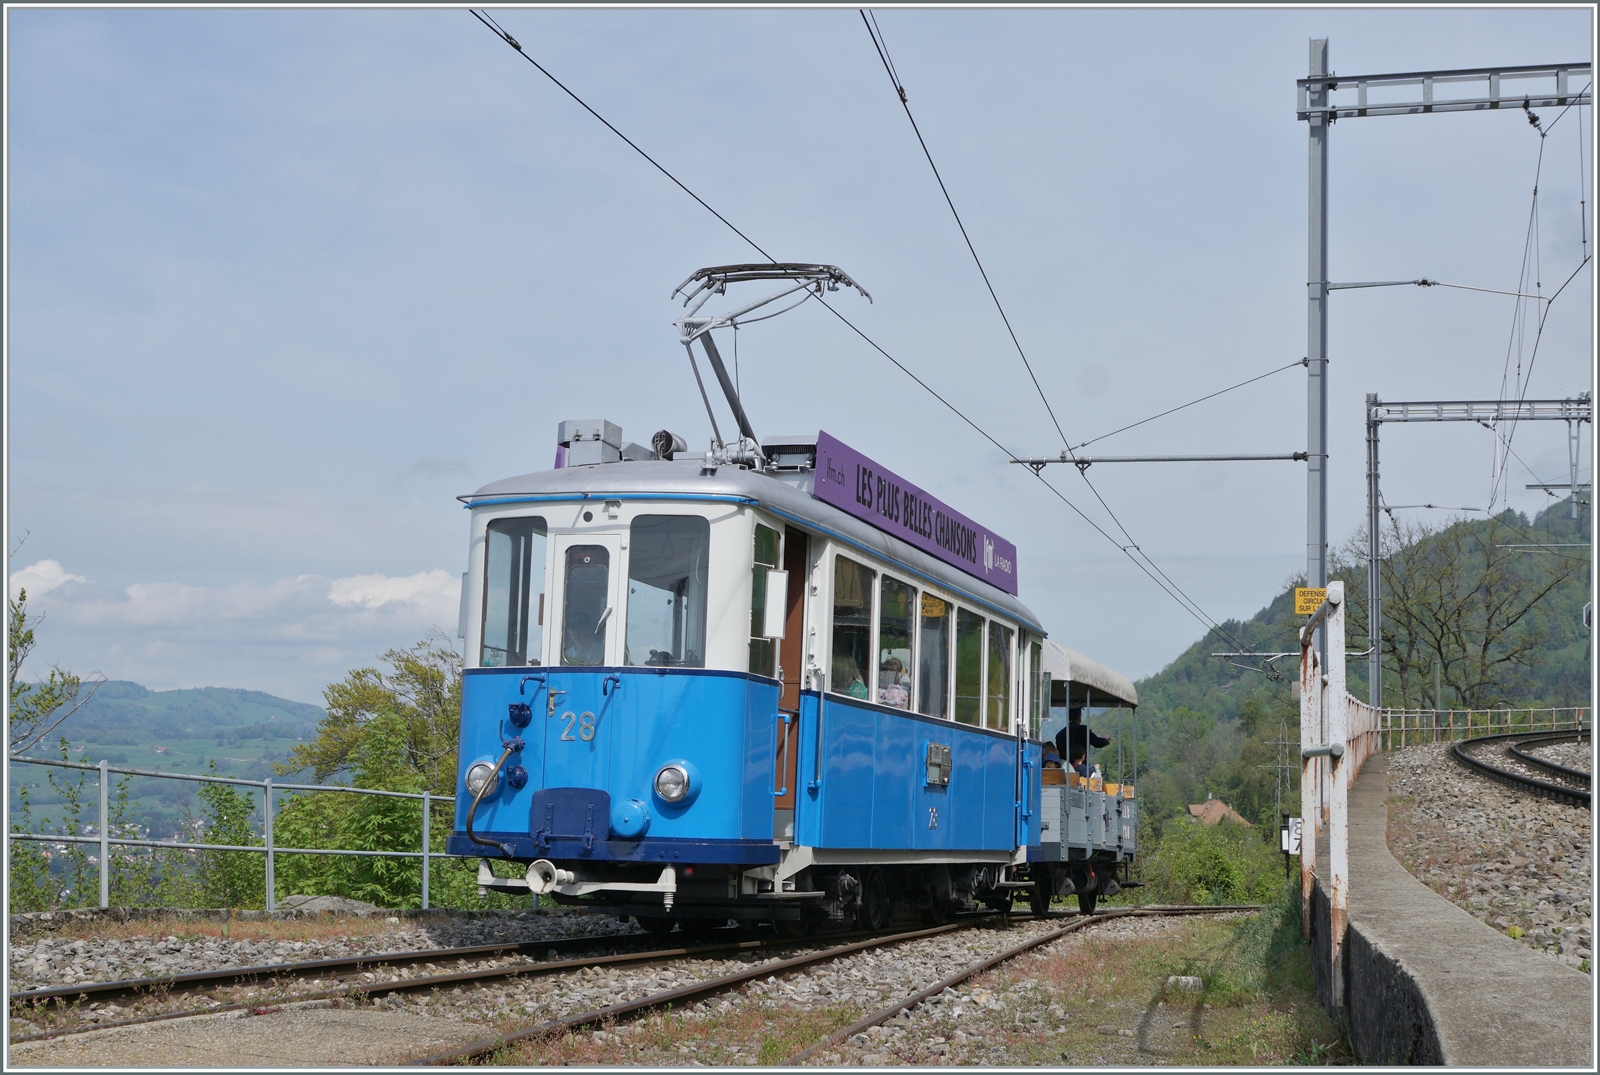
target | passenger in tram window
[
  {"x": 894, "y": 688},
  {"x": 847, "y": 677},
  {"x": 1052, "y": 759}
]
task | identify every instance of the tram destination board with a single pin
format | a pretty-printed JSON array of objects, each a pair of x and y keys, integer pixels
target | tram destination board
[{"x": 879, "y": 497}]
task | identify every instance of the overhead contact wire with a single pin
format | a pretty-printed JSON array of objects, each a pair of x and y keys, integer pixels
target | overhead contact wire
[
  {"x": 881, "y": 46},
  {"x": 1168, "y": 587},
  {"x": 514, "y": 43}
]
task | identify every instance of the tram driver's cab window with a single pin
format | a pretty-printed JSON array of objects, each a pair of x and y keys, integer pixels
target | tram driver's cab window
[
  {"x": 667, "y": 559},
  {"x": 513, "y": 593},
  {"x": 586, "y": 608},
  {"x": 852, "y": 628}
]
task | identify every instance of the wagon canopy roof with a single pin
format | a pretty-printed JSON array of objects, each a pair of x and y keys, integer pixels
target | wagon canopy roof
[
  {"x": 683, "y": 479},
  {"x": 1073, "y": 667}
]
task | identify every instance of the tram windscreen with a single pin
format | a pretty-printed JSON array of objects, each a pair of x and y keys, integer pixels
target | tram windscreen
[
  {"x": 513, "y": 593},
  {"x": 969, "y": 667},
  {"x": 933, "y": 657},
  {"x": 583, "y": 615},
  {"x": 999, "y": 708},
  {"x": 896, "y": 611},
  {"x": 852, "y": 628},
  {"x": 667, "y": 559}
]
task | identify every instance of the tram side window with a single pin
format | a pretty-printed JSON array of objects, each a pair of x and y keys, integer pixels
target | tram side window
[
  {"x": 1035, "y": 683},
  {"x": 969, "y": 667},
  {"x": 586, "y": 609},
  {"x": 999, "y": 708},
  {"x": 896, "y": 610},
  {"x": 852, "y": 628},
  {"x": 933, "y": 657},
  {"x": 513, "y": 593},
  {"x": 667, "y": 559},
  {"x": 763, "y": 651}
]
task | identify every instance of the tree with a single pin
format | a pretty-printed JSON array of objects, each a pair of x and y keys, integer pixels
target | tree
[
  {"x": 396, "y": 730},
  {"x": 1460, "y": 608},
  {"x": 37, "y": 709},
  {"x": 422, "y": 690}
]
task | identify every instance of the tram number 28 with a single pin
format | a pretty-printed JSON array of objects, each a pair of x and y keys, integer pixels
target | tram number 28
[{"x": 582, "y": 723}]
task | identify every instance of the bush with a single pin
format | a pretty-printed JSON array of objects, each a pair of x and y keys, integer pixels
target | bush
[{"x": 1212, "y": 864}]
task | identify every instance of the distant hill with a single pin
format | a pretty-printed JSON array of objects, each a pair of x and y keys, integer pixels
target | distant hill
[
  {"x": 1214, "y": 686},
  {"x": 1208, "y": 724},
  {"x": 182, "y": 731}
]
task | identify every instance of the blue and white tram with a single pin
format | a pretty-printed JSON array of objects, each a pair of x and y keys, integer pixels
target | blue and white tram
[{"x": 794, "y": 688}]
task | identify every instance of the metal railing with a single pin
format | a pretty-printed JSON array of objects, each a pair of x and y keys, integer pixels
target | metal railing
[
  {"x": 1400, "y": 728},
  {"x": 105, "y": 840}
]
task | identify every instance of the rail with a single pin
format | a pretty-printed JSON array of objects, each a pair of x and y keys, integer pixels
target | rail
[
  {"x": 106, "y": 841},
  {"x": 1568, "y": 791}
]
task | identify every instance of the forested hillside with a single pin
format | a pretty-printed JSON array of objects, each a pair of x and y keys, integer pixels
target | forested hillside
[{"x": 1465, "y": 610}]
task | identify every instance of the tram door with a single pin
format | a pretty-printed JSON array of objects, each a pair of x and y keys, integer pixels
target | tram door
[
  {"x": 790, "y": 656},
  {"x": 587, "y": 625}
]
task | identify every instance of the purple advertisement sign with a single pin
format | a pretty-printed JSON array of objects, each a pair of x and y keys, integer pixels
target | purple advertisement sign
[{"x": 853, "y": 483}]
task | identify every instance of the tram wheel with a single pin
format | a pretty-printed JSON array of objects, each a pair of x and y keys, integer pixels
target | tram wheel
[
  {"x": 1039, "y": 897},
  {"x": 875, "y": 906},
  {"x": 1086, "y": 902},
  {"x": 656, "y": 927}
]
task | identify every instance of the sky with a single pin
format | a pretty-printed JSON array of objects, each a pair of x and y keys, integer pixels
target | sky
[{"x": 281, "y": 284}]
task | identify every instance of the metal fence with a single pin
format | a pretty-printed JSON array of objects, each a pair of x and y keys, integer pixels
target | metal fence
[
  {"x": 1400, "y": 728},
  {"x": 105, "y": 840}
]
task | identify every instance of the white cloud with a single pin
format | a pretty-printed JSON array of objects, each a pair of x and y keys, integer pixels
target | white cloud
[
  {"x": 436, "y": 591},
  {"x": 40, "y": 578},
  {"x": 290, "y": 637}
]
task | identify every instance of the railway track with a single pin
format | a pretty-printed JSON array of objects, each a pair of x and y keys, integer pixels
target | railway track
[
  {"x": 490, "y": 1046},
  {"x": 70, "y": 996},
  {"x": 314, "y": 968},
  {"x": 65, "y": 996},
  {"x": 1520, "y": 768}
]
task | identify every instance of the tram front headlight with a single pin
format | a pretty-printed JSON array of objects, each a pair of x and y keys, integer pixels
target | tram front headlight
[
  {"x": 672, "y": 783},
  {"x": 481, "y": 777}
]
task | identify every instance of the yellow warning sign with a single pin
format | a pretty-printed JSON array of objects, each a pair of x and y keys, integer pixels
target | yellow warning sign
[{"x": 1308, "y": 599}]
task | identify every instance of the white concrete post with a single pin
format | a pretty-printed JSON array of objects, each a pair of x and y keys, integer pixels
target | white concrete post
[
  {"x": 427, "y": 809},
  {"x": 1338, "y": 789},
  {"x": 105, "y": 837},
  {"x": 271, "y": 876},
  {"x": 1310, "y": 710}
]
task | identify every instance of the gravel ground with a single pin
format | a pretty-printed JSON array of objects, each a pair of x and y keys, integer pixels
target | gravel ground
[
  {"x": 307, "y": 1037},
  {"x": 51, "y": 961},
  {"x": 1518, "y": 862},
  {"x": 1573, "y": 755},
  {"x": 1077, "y": 1000},
  {"x": 950, "y": 1027}
]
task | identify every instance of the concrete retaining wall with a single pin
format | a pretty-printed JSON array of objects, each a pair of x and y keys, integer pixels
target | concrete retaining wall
[{"x": 1387, "y": 1017}]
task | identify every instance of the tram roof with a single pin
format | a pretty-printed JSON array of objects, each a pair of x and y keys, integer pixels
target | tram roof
[
  {"x": 1065, "y": 664},
  {"x": 787, "y": 494}
]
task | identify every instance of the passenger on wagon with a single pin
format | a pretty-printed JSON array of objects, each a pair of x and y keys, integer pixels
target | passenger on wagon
[
  {"x": 1081, "y": 766},
  {"x": 1079, "y": 734}
]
